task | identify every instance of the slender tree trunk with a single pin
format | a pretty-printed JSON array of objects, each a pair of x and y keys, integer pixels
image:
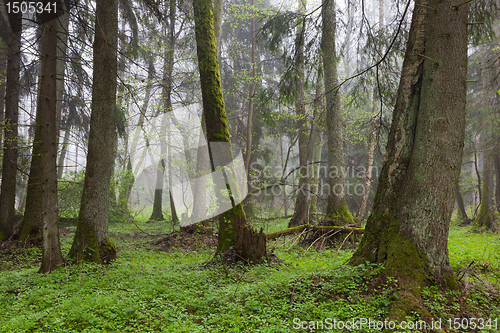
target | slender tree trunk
[
  {"x": 336, "y": 206},
  {"x": 46, "y": 126},
  {"x": 367, "y": 181},
  {"x": 62, "y": 46},
  {"x": 408, "y": 227},
  {"x": 91, "y": 241},
  {"x": 484, "y": 219},
  {"x": 235, "y": 236},
  {"x": 303, "y": 195},
  {"x": 32, "y": 222},
  {"x": 462, "y": 213},
  {"x": 62, "y": 155},
  {"x": 497, "y": 181},
  {"x": 9, "y": 164},
  {"x": 202, "y": 168},
  {"x": 316, "y": 142},
  {"x": 3, "y": 80}
]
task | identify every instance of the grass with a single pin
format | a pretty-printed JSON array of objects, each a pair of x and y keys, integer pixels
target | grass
[{"x": 146, "y": 290}]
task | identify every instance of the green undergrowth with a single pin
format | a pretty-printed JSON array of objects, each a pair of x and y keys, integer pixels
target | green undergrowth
[{"x": 146, "y": 290}]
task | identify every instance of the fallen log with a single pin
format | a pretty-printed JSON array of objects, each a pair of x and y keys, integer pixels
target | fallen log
[{"x": 300, "y": 228}]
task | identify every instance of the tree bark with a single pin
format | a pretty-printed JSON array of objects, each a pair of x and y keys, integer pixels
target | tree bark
[
  {"x": 336, "y": 206},
  {"x": 3, "y": 79},
  {"x": 408, "y": 227},
  {"x": 484, "y": 220},
  {"x": 9, "y": 164},
  {"x": 91, "y": 241},
  {"x": 367, "y": 182},
  {"x": 235, "y": 236},
  {"x": 462, "y": 213},
  {"x": 303, "y": 196},
  {"x": 46, "y": 126}
]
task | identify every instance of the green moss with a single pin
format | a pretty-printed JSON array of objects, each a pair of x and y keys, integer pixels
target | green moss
[
  {"x": 2, "y": 236},
  {"x": 107, "y": 250},
  {"x": 339, "y": 213},
  {"x": 484, "y": 219},
  {"x": 451, "y": 282}
]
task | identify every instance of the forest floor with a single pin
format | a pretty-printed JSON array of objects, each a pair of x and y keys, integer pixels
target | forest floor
[{"x": 161, "y": 282}]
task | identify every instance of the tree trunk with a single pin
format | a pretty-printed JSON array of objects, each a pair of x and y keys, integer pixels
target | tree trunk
[
  {"x": 46, "y": 126},
  {"x": 168, "y": 64},
  {"x": 3, "y": 79},
  {"x": 462, "y": 213},
  {"x": 91, "y": 240},
  {"x": 336, "y": 206},
  {"x": 303, "y": 196},
  {"x": 408, "y": 227},
  {"x": 9, "y": 165},
  {"x": 235, "y": 236},
  {"x": 316, "y": 142},
  {"x": 367, "y": 181},
  {"x": 62, "y": 156},
  {"x": 497, "y": 181},
  {"x": 484, "y": 220}
]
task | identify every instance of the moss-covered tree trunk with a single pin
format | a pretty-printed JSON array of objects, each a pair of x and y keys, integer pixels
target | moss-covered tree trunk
[
  {"x": 408, "y": 227},
  {"x": 9, "y": 162},
  {"x": 303, "y": 197},
  {"x": 46, "y": 126},
  {"x": 235, "y": 236},
  {"x": 91, "y": 240},
  {"x": 336, "y": 205}
]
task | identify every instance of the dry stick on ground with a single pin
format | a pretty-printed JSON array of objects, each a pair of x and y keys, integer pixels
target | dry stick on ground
[
  {"x": 466, "y": 269},
  {"x": 294, "y": 238},
  {"x": 340, "y": 247},
  {"x": 317, "y": 239}
]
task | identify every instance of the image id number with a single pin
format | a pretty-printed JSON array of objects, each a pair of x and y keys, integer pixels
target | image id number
[
  {"x": 24, "y": 7},
  {"x": 472, "y": 323}
]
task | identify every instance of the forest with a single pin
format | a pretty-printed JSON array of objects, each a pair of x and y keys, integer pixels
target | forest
[{"x": 249, "y": 166}]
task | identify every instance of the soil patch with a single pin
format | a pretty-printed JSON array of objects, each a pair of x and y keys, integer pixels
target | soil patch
[{"x": 192, "y": 237}]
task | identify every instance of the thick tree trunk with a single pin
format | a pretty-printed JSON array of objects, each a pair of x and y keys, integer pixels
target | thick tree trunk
[
  {"x": 235, "y": 236},
  {"x": 336, "y": 206},
  {"x": 46, "y": 126},
  {"x": 91, "y": 240},
  {"x": 408, "y": 227},
  {"x": 9, "y": 164}
]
